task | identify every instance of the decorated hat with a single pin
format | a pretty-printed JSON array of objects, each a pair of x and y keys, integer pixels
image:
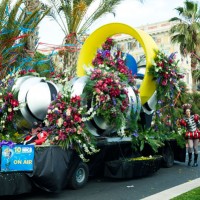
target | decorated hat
[{"x": 186, "y": 106}]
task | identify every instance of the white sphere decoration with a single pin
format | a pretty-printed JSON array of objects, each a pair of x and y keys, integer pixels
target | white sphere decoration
[{"x": 35, "y": 95}]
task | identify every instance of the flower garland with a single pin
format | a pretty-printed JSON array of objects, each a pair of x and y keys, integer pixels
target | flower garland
[
  {"x": 65, "y": 124},
  {"x": 113, "y": 62},
  {"x": 108, "y": 82},
  {"x": 10, "y": 106},
  {"x": 166, "y": 73},
  {"x": 110, "y": 98}
]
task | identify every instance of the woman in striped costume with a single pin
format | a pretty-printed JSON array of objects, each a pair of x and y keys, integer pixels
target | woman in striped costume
[{"x": 192, "y": 135}]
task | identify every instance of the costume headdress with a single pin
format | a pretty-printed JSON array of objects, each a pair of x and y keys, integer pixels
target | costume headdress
[{"x": 186, "y": 106}]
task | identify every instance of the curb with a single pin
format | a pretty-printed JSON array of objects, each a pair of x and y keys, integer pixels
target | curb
[{"x": 175, "y": 191}]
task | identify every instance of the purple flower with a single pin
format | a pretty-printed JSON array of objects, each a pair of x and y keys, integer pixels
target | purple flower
[
  {"x": 172, "y": 56},
  {"x": 135, "y": 134},
  {"x": 8, "y": 143},
  {"x": 114, "y": 101},
  {"x": 106, "y": 54},
  {"x": 10, "y": 82}
]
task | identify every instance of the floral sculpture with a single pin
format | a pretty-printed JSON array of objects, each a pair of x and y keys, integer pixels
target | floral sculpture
[
  {"x": 166, "y": 73},
  {"x": 108, "y": 82},
  {"x": 10, "y": 106},
  {"x": 106, "y": 89},
  {"x": 65, "y": 124}
]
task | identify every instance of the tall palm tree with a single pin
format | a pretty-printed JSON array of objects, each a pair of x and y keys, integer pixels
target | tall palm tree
[
  {"x": 73, "y": 18},
  {"x": 15, "y": 27},
  {"x": 187, "y": 32},
  {"x": 31, "y": 6}
]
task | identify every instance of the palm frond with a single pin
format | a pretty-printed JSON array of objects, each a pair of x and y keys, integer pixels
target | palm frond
[
  {"x": 104, "y": 8},
  {"x": 15, "y": 26}
]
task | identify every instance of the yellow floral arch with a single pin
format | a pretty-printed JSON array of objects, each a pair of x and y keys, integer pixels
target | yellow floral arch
[{"x": 98, "y": 37}]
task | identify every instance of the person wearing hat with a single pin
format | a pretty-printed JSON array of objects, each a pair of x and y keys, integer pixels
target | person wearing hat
[{"x": 192, "y": 135}]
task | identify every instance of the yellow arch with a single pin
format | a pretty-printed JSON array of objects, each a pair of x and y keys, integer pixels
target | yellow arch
[{"x": 98, "y": 37}]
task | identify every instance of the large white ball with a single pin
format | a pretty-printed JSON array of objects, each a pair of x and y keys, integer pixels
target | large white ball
[{"x": 34, "y": 95}]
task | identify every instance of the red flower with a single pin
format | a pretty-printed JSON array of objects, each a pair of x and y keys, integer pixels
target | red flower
[
  {"x": 75, "y": 99},
  {"x": 61, "y": 135},
  {"x": 22, "y": 72},
  {"x": 8, "y": 96},
  {"x": 77, "y": 117},
  {"x": 10, "y": 116},
  {"x": 14, "y": 102},
  {"x": 31, "y": 70}
]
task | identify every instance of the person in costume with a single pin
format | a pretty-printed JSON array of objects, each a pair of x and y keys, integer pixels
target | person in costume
[
  {"x": 37, "y": 136},
  {"x": 191, "y": 122}
]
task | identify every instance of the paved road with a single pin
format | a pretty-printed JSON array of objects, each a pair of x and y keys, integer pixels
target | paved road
[{"x": 107, "y": 189}]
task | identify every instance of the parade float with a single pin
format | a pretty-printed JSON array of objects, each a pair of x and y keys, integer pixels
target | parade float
[{"x": 96, "y": 124}]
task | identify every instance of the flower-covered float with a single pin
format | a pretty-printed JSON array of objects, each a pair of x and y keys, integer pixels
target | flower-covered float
[{"x": 95, "y": 118}]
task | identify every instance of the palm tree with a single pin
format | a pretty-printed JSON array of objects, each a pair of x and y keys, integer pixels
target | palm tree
[
  {"x": 15, "y": 25},
  {"x": 30, "y": 7},
  {"x": 73, "y": 18},
  {"x": 187, "y": 32}
]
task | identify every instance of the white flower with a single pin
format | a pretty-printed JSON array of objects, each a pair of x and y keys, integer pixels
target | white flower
[
  {"x": 9, "y": 109},
  {"x": 157, "y": 69},
  {"x": 49, "y": 111},
  {"x": 55, "y": 109},
  {"x": 46, "y": 122},
  {"x": 68, "y": 112},
  {"x": 60, "y": 122}
]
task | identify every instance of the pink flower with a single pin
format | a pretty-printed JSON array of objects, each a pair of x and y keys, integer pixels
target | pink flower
[
  {"x": 164, "y": 82},
  {"x": 97, "y": 90},
  {"x": 62, "y": 136},
  {"x": 68, "y": 112}
]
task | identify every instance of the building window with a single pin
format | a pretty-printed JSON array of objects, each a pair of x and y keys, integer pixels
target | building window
[
  {"x": 130, "y": 45},
  {"x": 138, "y": 45},
  {"x": 118, "y": 46},
  {"x": 188, "y": 78},
  {"x": 154, "y": 38}
]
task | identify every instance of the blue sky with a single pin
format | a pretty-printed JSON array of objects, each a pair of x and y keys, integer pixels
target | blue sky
[{"x": 130, "y": 12}]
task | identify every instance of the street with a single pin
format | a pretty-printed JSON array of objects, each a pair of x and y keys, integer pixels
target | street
[{"x": 135, "y": 189}]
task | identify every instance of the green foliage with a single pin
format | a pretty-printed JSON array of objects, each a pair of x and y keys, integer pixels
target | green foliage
[
  {"x": 191, "y": 98},
  {"x": 70, "y": 15},
  {"x": 16, "y": 25},
  {"x": 150, "y": 137},
  {"x": 42, "y": 64},
  {"x": 193, "y": 194},
  {"x": 196, "y": 74},
  {"x": 185, "y": 32}
]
